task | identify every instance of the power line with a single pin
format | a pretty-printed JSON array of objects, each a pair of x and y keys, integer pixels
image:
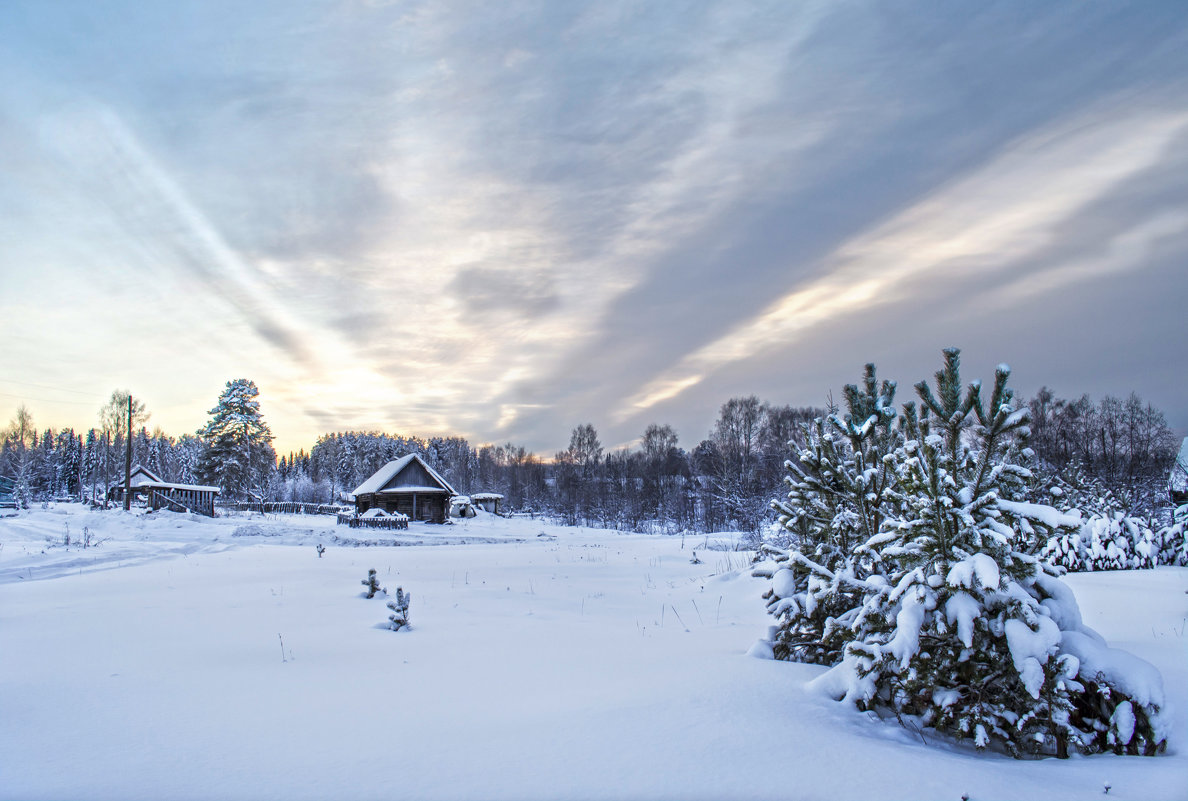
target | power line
[
  {"x": 47, "y": 400},
  {"x": 46, "y": 386}
]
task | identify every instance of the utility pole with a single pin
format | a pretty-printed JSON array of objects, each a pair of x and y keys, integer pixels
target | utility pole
[{"x": 128, "y": 461}]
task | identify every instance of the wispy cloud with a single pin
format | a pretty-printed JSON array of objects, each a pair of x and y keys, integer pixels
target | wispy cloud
[
  {"x": 158, "y": 218},
  {"x": 999, "y": 215}
]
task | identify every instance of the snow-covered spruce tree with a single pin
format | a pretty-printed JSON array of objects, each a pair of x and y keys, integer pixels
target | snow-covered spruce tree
[
  {"x": 399, "y": 606},
  {"x": 1173, "y": 539},
  {"x": 839, "y": 491},
  {"x": 966, "y": 633},
  {"x": 237, "y": 452},
  {"x": 371, "y": 583},
  {"x": 1108, "y": 536}
]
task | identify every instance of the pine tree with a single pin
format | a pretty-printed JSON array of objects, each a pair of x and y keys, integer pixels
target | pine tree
[
  {"x": 963, "y": 634},
  {"x": 839, "y": 496},
  {"x": 371, "y": 583},
  {"x": 237, "y": 452},
  {"x": 957, "y": 624},
  {"x": 399, "y": 606}
]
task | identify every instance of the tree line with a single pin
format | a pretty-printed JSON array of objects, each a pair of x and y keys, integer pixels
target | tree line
[{"x": 726, "y": 481}]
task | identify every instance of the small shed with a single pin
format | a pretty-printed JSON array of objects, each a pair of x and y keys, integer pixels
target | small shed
[
  {"x": 460, "y": 506},
  {"x": 488, "y": 501},
  {"x": 1177, "y": 482},
  {"x": 407, "y": 485},
  {"x": 160, "y": 494}
]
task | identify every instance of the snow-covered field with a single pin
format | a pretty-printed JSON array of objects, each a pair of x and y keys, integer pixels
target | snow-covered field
[{"x": 543, "y": 662}]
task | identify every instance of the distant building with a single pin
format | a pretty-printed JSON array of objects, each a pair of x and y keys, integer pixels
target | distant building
[
  {"x": 160, "y": 494},
  {"x": 488, "y": 501},
  {"x": 1177, "y": 482},
  {"x": 407, "y": 485},
  {"x": 460, "y": 506}
]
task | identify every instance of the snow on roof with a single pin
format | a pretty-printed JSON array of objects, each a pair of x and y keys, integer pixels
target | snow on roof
[
  {"x": 403, "y": 488},
  {"x": 371, "y": 514},
  {"x": 189, "y": 487},
  {"x": 393, "y": 468},
  {"x": 142, "y": 476},
  {"x": 486, "y": 496}
]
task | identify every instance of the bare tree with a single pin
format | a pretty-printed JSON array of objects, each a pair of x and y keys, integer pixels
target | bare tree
[{"x": 113, "y": 422}]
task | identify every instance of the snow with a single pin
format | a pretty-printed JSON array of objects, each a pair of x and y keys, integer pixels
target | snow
[
  {"x": 908, "y": 621},
  {"x": 1122, "y": 722},
  {"x": 783, "y": 583},
  {"x": 1137, "y": 678},
  {"x": 979, "y": 566},
  {"x": 543, "y": 662},
  {"x": 1047, "y": 515},
  {"x": 963, "y": 609},
  {"x": 1030, "y": 649}
]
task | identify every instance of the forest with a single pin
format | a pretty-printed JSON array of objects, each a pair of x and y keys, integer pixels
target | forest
[{"x": 1120, "y": 448}]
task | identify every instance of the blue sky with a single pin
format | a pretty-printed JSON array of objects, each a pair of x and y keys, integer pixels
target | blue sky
[{"x": 503, "y": 220}]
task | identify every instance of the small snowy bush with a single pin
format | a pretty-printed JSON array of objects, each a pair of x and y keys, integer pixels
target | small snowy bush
[
  {"x": 912, "y": 574},
  {"x": 372, "y": 584},
  {"x": 1105, "y": 542},
  {"x": 399, "y": 606},
  {"x": 1173, "y": 540}
]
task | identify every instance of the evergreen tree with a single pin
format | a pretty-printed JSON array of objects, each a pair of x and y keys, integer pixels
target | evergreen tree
[
  {"x": 399, "y": 605},
  {"x": 839, "y": 495},
  {"x": 237, "y": 452},
  {"x": 959, "y": 626}
]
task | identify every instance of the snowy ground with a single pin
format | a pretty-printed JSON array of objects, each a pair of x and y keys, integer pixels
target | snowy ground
[{"x": 544, "y": 662}]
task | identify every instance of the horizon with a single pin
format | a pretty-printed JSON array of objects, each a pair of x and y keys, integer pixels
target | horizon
[{"x": 548, "y": 456}]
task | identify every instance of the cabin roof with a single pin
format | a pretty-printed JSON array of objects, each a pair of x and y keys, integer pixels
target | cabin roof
[
  {"x": 143, "y": 477},
  {"x": 381, "y": 478}
]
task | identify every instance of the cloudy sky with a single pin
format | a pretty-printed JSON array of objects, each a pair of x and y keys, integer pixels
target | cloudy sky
[{"x": 501, "y": 220}]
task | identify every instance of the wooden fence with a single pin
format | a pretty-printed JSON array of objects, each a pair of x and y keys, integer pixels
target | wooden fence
[
  {"x": 283, "y": 507},
  {"x": 354, "y": 521}
]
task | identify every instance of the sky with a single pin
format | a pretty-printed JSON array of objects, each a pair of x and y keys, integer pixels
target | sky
[{"x": 503, "y": 220}]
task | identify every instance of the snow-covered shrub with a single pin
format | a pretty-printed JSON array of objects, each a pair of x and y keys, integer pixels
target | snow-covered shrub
[
  {"x": 1118, "y": 543},
  {"x": 1065, "y": 551},
  {"x": 399, "y": 606},
  {"x": 953, "y": 622},
  {"x": 1105, "y": 542},
  {"x": 372, "y": 584},
  {"x": 1173, "y": 539}
]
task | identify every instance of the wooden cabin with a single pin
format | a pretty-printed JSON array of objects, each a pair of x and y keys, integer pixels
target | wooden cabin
[
  {"x": 159, "y": 494},
  {"x": 407, "y": 485}
]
